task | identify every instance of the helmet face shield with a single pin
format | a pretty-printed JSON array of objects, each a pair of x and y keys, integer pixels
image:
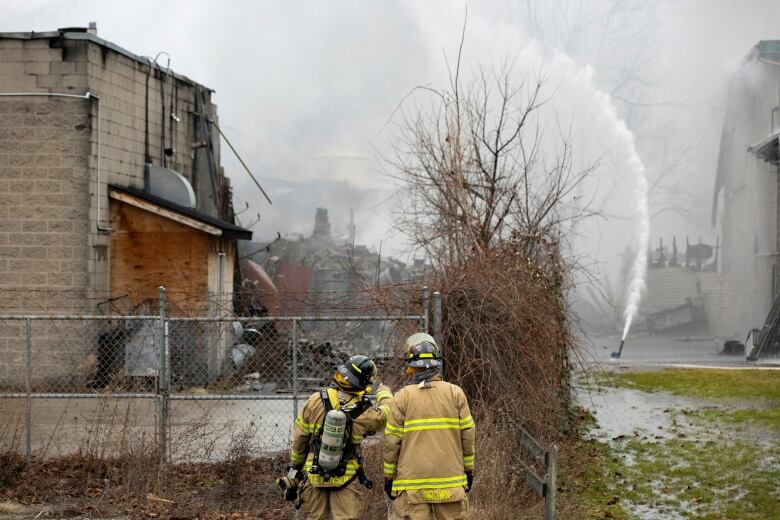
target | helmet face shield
[
  {"x": 345, "y": 379},
  {"x": 424, "y": 355},
  {"x": 425, "y": 363}
]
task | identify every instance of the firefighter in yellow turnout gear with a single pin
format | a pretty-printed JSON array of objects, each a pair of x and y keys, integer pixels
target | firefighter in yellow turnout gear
[
  {"x": 338, "y": 492},
  {"x": 429, "y": 440}
]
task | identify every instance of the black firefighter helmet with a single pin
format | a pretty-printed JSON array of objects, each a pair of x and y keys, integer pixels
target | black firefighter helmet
[{"x": 356, "y": 374}]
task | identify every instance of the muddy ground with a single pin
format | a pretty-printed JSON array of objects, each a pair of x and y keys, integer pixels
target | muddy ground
[{"x": 686, "y": 432}]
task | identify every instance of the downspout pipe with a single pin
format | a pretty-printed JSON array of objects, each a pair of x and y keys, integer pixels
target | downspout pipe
[{"x": 87, "y": 96}]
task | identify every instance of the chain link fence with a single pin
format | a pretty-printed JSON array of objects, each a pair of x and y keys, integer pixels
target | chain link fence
[{"x": 190, "y": 387}]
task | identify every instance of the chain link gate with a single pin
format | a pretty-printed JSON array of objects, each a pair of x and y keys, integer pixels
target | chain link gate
[{"x": 193, "y": 388}]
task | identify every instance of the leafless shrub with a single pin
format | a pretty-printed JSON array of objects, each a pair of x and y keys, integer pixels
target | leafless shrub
[
  {"x": 474, "y": 170},
  {"x": 505, "y": 333},
  {"x": 137, "y": 467},
  {"x": 12, "y": 413},
  {"x": 498, "y": 473},
  {"x": 241, "y": 450},
  {"x": 117, "y": 450},
  {"x": 12, "y": 465}
]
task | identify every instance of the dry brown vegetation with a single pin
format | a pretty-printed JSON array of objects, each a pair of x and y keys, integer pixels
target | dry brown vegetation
[
  {"x": 487, "y": 199},
  {"x": 506, "y": 342},
  {"x": 72, "y": 486},
  {"x": 506, "y": 334},
  {"x": 129, "y": 486},
  {"x": 117, "y": 471}
]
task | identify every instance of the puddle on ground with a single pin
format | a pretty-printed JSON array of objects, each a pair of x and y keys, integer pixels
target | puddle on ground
[
  {"x": 623, "y": 413},
  {"x": 653, "y": 512}
]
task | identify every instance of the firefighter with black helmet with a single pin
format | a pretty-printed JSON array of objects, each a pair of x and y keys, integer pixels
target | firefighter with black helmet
[
  {"x": 326, "y": 474},
  {"x": 429, "y": 440}
]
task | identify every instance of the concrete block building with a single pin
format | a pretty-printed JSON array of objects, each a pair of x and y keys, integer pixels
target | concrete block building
[{"x": 110, "y": 186}]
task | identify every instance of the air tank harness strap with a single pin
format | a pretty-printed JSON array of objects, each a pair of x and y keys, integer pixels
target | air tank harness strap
[{"x": 330, "y": 399}]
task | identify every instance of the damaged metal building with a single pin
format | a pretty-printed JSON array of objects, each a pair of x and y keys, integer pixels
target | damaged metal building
[{"x": 745, "y": 203}]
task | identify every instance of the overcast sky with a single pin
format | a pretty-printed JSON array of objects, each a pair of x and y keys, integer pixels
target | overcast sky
[{"x": 305, "y": 88}]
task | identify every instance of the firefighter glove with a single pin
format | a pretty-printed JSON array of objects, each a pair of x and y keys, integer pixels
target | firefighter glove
[
  {"x": 288, "y": 485},
  {"x": 469, "y": 481},
  {"x": 389, "y": 488}
]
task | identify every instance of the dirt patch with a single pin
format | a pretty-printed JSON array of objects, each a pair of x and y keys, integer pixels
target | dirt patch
[
  {"x": 11, "y": 508},
  {"x": 77, "y": 486}
]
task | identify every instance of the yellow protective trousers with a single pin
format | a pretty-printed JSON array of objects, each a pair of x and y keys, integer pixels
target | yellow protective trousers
[
  {"x": 404, "y": 509},
  {"x": 322, "y": 503}
]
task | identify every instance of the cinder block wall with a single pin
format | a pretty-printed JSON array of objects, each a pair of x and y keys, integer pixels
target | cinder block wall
[
  {"x": 53, "y": 257},
  {"x": 44, "y": 205}
]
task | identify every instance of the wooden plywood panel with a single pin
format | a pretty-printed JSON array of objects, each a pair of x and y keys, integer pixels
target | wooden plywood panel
[{"x": 148, "y": 250}]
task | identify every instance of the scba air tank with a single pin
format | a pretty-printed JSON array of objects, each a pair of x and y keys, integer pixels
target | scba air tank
[{"x": 332, "y": 443}]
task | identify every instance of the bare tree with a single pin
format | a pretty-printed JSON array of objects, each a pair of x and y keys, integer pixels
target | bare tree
[{"x": 474, "y": 170}]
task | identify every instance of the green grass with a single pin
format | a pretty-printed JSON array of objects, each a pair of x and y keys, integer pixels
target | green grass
[
  {"x": 589, "y": 478},
  {"x": 713, "y": 472},
  {"x": 713, "y": 479},
  {"x": 736, "y": 385},
  {"x": 766, "y": 418}
]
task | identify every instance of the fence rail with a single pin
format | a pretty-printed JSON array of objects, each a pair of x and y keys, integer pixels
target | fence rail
[
  {"x": 546, "y": 458},
  {"x": 163, "y": 377}
]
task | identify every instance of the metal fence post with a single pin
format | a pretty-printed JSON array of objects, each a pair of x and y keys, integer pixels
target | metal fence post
[
  {"x": 28, "y": 378},
  {"x": 295, "y": 368},
  {"x": 437, "y": 319},
  {"x": 163, "y": 379},
  {"x": 426, "y": 308},
  {"x": 551, "y": 458},
  {"x": 222, "y": 340}
]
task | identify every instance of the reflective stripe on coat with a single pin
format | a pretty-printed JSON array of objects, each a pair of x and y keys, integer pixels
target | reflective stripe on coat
[
  {"x": 309, "y": 422},
  {"x": 429, "y": 438}
]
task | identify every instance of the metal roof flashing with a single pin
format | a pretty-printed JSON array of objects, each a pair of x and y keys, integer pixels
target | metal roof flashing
[
  {"x": 187, "y": 216},
  {"x": 79, "y": 33},
  {"x": 767, "y": 51},
  {"x": 768, "y": 149}
]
